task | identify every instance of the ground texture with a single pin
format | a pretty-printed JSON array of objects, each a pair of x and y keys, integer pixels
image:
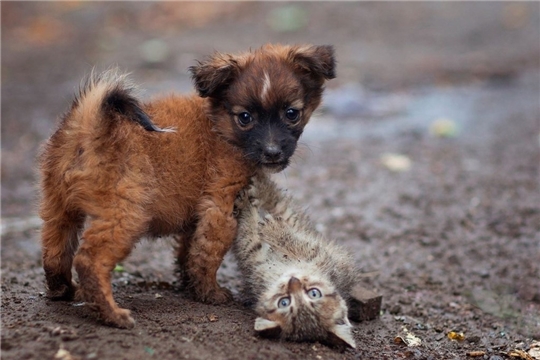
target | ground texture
[{"x": 444, "y": 222}]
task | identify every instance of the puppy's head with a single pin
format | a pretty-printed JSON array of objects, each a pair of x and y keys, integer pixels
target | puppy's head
[{"x": 260, "y": 101}]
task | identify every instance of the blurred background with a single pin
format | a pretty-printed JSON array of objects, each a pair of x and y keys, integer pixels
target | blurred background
[
  {"x": 382, "y": 49},
  {"x": 423, "y": 160}
]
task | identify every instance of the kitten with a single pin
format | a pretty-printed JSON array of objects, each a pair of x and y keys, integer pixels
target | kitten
[{"x": 298, "y": 281}]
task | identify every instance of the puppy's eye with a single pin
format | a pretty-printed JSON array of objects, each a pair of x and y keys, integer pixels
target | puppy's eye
[
  {"x": 292, "y": 114},
  {"x": 284, "y": 302},
  {"x": 314, "y": 293},
  {"x": 244, "y": 118}
]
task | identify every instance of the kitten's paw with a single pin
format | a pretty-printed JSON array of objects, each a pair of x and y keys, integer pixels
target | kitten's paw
[
  {"x": 241, "y": 202},
  {"x": 253, "y": 195}
]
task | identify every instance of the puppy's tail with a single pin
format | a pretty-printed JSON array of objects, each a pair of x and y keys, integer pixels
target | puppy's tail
[{"x": 106, "y": 98}]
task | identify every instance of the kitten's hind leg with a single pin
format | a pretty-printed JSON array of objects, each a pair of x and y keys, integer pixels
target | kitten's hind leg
[
  {"x": 264, "y": 193},
  {"x": 242, "y": 201},
  {"x": 275, "y": 202},
  {"x": 247, "y": 238}
]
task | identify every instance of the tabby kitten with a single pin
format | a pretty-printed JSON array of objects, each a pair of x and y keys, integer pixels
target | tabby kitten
[{"x": 298, "y": 281}]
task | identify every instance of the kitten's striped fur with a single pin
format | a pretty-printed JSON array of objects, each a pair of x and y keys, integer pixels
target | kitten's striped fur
[{"x": 298, "y": 281}]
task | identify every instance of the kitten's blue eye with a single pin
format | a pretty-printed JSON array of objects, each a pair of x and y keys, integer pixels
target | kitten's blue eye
[
  {"x": 314, "y": 293},
  {"x": 284, "y": 302}
]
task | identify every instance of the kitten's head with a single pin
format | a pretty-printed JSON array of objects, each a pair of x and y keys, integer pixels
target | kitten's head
[{"x": 304, "y": 308}]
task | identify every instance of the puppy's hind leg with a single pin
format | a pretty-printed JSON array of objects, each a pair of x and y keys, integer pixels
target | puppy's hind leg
[
  {"x": 108, "y": 240},
  {"x": 60, "y": 238},
  {"x": 183, "y": 241}
]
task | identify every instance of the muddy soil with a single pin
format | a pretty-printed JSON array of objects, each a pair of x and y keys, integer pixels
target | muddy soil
[{"x": 448, "y": 233}]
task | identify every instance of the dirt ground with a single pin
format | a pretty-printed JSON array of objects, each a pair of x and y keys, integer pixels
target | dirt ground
[{"x": 444, "y": 222}]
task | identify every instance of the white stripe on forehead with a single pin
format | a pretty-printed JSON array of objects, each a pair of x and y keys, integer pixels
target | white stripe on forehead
[{"x": 266, "y": 86}]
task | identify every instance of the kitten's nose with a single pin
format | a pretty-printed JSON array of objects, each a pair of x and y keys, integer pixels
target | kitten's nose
[{"x": 294, "y": 285}]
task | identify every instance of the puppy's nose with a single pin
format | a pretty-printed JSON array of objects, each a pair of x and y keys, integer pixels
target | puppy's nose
[{"x": 272, "y": 152}]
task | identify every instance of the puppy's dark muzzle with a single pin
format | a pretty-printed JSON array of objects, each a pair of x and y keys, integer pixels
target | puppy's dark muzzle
[{"x": 272, "y": 154}]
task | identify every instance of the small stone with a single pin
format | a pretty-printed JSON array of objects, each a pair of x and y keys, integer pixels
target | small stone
[
  {"x": 288, "y": 18},
  {"x": 364, "y": 305},
  {"x": 473, "y": 339},
  {"x": 396, "y": 309},
  {"x": 443, "y": 128},
  {"x": 395, "y": 162},
  {"x": 154, "y": 51}
]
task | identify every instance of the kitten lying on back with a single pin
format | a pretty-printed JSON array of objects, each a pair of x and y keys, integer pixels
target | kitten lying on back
[{"x": 298, "y": 281}]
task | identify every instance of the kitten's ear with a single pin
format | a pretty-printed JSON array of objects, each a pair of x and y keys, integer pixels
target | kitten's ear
[
  {"x": 214, "y": 74},
  {"x": 267, "y": 328},
  {"x": 319, "y": 61},
  {"x": 340, "y": 336}
]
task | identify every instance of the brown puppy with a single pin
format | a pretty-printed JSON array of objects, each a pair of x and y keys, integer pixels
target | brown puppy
[{"x": 117, "y": 170}]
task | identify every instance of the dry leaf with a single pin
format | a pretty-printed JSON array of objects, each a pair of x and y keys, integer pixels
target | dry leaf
[
  {"x": 63, "y": 354},
  {"x": 476, "y": 353},
  {"x": 212, "y": 317},
  {"x": 453, "y": 335},
  {"x": 520, "y": 354},
  {"x": 407, "y": 337},
  {"x": 534, "y": 351}
]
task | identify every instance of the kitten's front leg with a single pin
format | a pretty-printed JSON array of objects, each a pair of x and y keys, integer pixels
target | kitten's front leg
[
  {"x": 264, "y": 193},
  {"x": 247, "y": 239}
]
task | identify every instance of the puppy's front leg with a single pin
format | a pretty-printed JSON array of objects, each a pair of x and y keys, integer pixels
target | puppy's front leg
[{"x": 213, "y": 237}]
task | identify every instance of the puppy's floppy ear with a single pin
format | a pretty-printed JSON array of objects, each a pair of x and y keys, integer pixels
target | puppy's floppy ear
[
  {"x": 319, "y": 61},
  {"x": 214, "y": 74}
]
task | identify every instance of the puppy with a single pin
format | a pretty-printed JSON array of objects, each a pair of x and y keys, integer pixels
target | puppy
[{"x": 117, "y": 169}]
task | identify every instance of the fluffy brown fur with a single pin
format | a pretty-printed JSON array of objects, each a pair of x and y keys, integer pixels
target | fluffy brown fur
[{"x": 117, "y": 170}]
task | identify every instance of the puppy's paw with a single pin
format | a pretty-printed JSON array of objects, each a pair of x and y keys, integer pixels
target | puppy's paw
[
  {"x": 119, "y": 318},
  {"x": 64, "y": 292},
  {"x": 216, "y": 296}
]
